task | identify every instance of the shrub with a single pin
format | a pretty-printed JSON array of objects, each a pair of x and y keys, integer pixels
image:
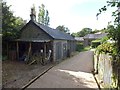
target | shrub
[
  {"x": 95, "y": 43},
  {"x": 79, "y": 47},
  {"x": 104, "y": 39},
  {"x": 107, "y": 48}
]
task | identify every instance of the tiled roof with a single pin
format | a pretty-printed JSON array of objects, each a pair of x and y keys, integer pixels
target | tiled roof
[
  {"x": 54, "y": 33},
  {"x": 94, "y": 36},
  {"x": 79, "y": 38}
]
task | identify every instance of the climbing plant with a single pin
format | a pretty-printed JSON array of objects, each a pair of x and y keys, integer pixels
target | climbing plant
[
  {"x": 113, "y": 34},
  {"x": 113, "y": 30}
]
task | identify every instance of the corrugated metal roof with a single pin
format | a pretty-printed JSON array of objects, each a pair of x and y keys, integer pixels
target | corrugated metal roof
[{"x": 54, "y": 33}]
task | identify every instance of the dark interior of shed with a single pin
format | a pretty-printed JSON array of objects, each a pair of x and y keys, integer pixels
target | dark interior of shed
[{"x": 31, "y": 51}]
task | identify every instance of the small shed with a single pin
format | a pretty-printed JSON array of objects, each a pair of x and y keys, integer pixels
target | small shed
[
  {"x": 79, "y": 39},
  {"x": 36, "y": 37},
  {"x": 89, "y": 37}
]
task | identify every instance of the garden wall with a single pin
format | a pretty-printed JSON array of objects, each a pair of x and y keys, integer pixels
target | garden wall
[{"x": 103, "y": 66}]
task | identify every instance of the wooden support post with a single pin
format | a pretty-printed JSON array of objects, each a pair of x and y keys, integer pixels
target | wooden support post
[
  {"x": 7, "y": 50},
  {"x": 29, "y": 50},
  {"x": 44, "y": 50},
  {"x": 17, "y": 51},
  {"x": 53, "y": 51}
]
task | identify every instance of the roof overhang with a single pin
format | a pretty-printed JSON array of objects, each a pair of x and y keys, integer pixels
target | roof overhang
[{"x": 30, "y": 40}]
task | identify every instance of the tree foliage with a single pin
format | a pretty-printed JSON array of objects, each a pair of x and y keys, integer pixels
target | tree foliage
[
  {"x": 113, "y": 31},
  {"x": 114, "y": 34},
  {"x": 111, "y": 3},
  {"x": 43, "y": 15},
  {"x": 83, "y": 32},
  {"x": 11, "y": 25},
  {"x": 74, "y": 35},
  {"x": 63, "y": 28}
]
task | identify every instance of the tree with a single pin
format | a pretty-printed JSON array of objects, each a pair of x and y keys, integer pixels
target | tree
[
  {"x": 95, "y": 31},
  {"x": 116, "y": 13},
  {"x": 74, "y": 34},
  {"x": 47, "y": 18},
  {"x": 11, "y": 26},
  {"x": 114, "y": 31},
  {"x": 43, "y": 15},
  {"x": 84, "y": 32},
  {"x": 63, "y": 28}
]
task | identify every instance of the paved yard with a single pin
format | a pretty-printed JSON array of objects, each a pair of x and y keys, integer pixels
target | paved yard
[{"x": 71, "y": 73}]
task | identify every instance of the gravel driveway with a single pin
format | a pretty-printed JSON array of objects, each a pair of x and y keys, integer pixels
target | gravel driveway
[{"x": 74, "y": 72}]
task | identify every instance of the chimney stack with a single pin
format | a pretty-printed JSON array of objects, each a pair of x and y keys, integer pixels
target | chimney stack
[{"x": 33, "y": 14}]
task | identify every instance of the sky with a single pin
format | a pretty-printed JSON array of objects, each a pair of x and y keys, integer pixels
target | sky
[{"x": 74, "y": 14}]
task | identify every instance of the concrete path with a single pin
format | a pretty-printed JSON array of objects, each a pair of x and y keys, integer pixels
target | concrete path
[{"x": 74, "y": 72}]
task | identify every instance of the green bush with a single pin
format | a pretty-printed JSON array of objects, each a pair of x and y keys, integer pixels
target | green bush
[
  {"x": 95, "y": 43},
  {"x": 104, "y": 39},
  {"x": 79, "y": 47},
  {"x": 107, "y": 48}
]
